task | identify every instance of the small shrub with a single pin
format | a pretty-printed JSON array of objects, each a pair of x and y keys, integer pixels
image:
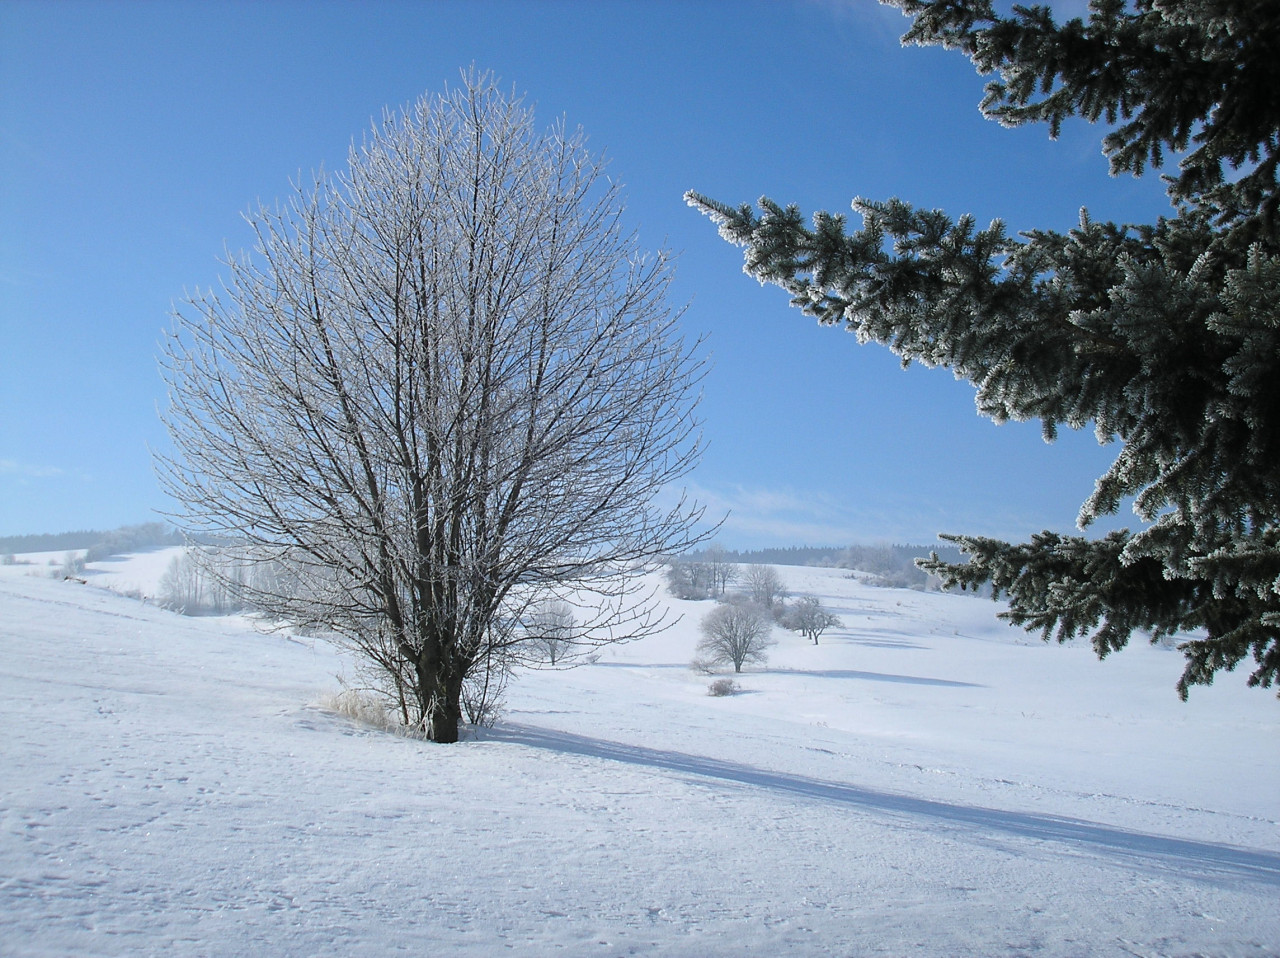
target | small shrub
[
  {"x": 368, "y": 708},
  {"x": 723, "y": 687},
  {"x": 72, "y": 566},
  {"x": 361, "y": 707},
  {"x": 703, "y": 666}
]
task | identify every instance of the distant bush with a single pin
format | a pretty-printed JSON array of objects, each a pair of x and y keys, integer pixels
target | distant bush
[
  {"x": 701, "y": 575},
  {"x": 688, "y": 580},
  {"x": 72, "y": 566},
  {"x": 721, "y": 687}
]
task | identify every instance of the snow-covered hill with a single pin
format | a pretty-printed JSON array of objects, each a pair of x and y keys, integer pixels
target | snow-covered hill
[{"x": 926, "y": 781}]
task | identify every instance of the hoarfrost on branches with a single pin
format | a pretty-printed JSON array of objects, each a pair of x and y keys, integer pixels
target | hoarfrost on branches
[{"x": 443, "y": 392}]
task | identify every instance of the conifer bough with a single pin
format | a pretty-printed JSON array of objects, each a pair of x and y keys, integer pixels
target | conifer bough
[{"x": 1165, "y": 336}]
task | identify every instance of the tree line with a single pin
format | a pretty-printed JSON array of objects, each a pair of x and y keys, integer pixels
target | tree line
[
  {"x": 700, "y": 574},
  {"x": 100, "y": 543}
]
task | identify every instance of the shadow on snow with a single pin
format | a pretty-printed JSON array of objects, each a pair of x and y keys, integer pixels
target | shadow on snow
[
  {"x": 874, "y": 677},
  {"x": 812, "y": 673},
  {"x": 1204, "y": 861}
]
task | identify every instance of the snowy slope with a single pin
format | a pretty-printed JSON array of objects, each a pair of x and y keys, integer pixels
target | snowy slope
[{"x": 925, "y": 781}]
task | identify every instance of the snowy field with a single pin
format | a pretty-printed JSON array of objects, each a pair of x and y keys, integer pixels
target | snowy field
[{"x": 926, "y": 781}]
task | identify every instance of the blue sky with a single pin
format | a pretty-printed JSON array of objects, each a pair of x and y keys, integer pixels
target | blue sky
[{"x": 133, "y": 136}]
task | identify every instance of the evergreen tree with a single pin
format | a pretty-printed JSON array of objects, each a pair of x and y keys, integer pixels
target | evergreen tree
[{"x": 1166, "y": 336}]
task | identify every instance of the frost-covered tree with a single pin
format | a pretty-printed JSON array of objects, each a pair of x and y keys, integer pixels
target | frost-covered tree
[
  {"x": 688, "y": 579},
  {"x": 765, "y": 587},
  {"x": 72, "y": 565},
  {"x": 552, "y": 631},
  {"x": 444, "y": 388},
  {"x": 212, "y": 581},
  {"x": 182, "y": 587},
  {"x": 808, "y": 617},
  {"x": 721, "y": 571},
  {"x": 735, "y": 633},
  {"x": 1165, "y": 336}
]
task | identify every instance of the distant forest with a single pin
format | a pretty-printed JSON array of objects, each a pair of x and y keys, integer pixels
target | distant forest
[
  {"x": 892, "y": 566},
  {"x": 99, "y": 543}
]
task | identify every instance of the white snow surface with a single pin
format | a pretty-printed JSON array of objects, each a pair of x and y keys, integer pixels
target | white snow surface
[{"x": 925, "y": 781}]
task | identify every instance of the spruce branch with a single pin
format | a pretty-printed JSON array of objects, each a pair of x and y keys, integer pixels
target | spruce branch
[{"x": 1163, "y": 336}]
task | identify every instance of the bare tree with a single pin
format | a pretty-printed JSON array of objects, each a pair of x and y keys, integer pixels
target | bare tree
[
  {"x": 72, "y": 566},
  {"x": 444, "y": 388},
  {"x": 807, "y": 616},
  {"x": 552, "y": 630},
  {"x": 765, "y": 587},
  {"x": 689, "y": 580},
  {"x": 735, "y": 632},
  {"x": 210, "y": 580},
  {"x": 720, "y": 570},
  {"x": 181, "y": 588}
]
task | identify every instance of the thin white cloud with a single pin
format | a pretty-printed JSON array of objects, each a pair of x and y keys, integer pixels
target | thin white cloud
[
  {"x": 25, "y": 471},
  {"x": 789, "y": 516},
  {"x": 10, "y": 467},
  {"x": 786, "y": 516}
]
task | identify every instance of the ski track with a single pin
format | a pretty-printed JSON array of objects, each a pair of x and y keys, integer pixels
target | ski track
[{"x": 913, "y": 786}]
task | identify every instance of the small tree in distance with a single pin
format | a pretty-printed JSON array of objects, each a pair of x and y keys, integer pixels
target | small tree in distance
[
  {"x": 721, "y": 571},
  {"x": 687, "y": 579},
  {"x": 808, "y": 617},
  {"x": 735, "y": 633},
  {"x": 765, "y": 587},
  {"x": 551, "y": 631}
]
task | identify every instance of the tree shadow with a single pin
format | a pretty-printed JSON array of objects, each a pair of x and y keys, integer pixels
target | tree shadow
[
  {"x": 1203, "y": 861},
  {"x": 876, "y": 677},
  {"x": 852, "y": 639}
]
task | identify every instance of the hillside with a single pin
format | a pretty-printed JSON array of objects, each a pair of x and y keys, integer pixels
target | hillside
[{"x": 925, "y": 781}]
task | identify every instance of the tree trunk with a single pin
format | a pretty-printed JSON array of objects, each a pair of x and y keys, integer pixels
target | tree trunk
[
  {"x": 439, "y": 703},
  {"x": 445, "y": 717}
]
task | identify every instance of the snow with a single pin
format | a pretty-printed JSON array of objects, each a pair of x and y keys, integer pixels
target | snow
[
  {"x": 133, "y": 574},
  {"x": 925, "y": 781}
]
